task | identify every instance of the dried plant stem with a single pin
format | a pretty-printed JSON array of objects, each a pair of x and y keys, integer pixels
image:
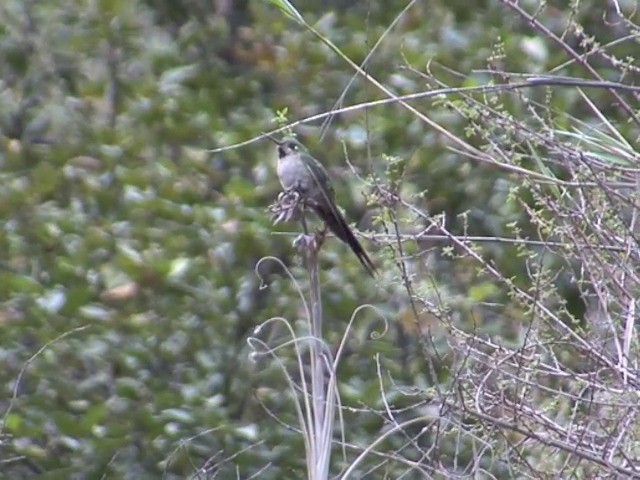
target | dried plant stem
[{"x": 322, "y": 411}]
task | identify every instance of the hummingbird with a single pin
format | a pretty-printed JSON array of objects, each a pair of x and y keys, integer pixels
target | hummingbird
[{"x": 298, "y": 171}]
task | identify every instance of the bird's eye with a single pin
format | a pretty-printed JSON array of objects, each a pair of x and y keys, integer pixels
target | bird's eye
[{"x": 293, "y": 146}]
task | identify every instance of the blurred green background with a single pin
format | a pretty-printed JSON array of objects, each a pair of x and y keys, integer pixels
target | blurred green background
[{"x": 123, "y": 234}]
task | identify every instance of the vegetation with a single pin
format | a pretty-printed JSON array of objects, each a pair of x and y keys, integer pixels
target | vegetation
[{"x": 155, "y": 323}]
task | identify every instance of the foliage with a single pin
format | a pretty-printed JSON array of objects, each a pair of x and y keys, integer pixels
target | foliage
[{"x": 504, "y": 224}]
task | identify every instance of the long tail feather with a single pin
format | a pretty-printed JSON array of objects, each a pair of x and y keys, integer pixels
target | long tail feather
[{"x": 338, "y": 225}]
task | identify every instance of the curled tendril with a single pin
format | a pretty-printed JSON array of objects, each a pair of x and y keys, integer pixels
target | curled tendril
[
  {"x": 381, "y": 318},
  {"x": 263, "y": 281},
  {"x": 374, "y": 335}
]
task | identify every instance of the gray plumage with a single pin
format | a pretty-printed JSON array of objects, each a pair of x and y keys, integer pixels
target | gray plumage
[{"x": 300, "y": 172}]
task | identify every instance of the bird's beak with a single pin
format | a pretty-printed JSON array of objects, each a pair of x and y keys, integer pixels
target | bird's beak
[{"x": 272, "y": 138}]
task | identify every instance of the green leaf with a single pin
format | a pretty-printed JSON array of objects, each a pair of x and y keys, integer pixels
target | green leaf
[{"x": 288, "y": 9}]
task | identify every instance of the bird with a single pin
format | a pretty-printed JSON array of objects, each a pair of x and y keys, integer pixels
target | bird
[{"x": 300, "y": 172}]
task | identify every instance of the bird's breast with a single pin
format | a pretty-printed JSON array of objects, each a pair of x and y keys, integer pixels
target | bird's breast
[{"x": 293, "y": 173}]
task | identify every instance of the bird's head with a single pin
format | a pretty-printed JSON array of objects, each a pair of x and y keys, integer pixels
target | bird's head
[{"x": 287, "y": 146}]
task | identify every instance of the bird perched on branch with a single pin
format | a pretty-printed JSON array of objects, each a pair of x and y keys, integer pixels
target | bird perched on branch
[{"x": 302, "y": 174}]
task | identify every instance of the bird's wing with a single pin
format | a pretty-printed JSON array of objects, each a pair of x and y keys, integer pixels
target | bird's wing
[
  {"x": 328, "y": 211},
  {"x": 321, "y": 179}
]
